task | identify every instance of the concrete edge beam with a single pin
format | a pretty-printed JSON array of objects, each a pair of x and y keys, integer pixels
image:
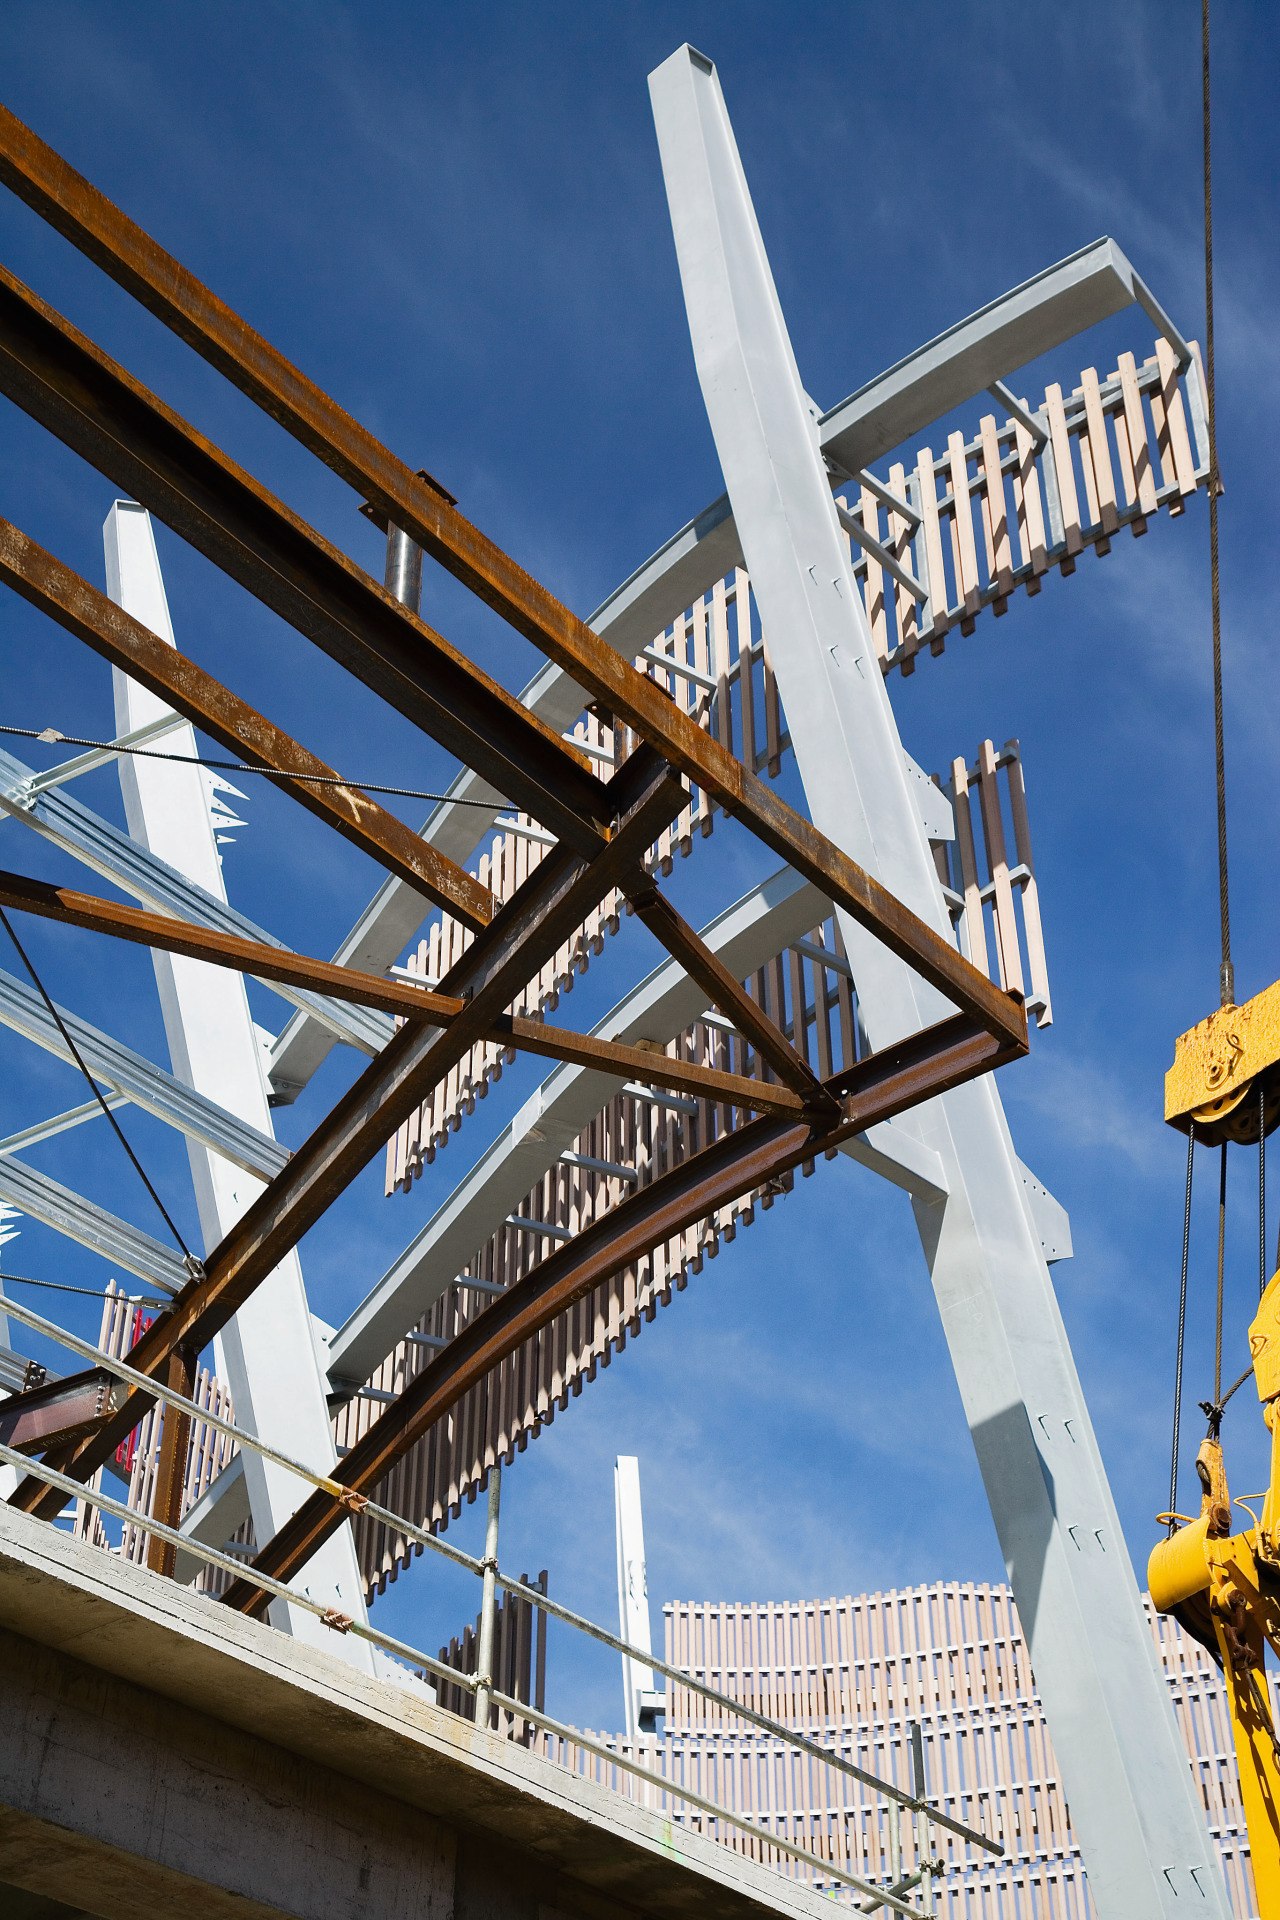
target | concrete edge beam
[{"x": 124, "y": 1624}]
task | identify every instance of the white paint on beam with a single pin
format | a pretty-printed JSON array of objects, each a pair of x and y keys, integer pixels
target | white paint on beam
[
  {"x": 633, "y": 1590},
  {"x": 550, "y": 1121},
  {"x": 1133, "y": 1803},
  {"x": 266, "y": 1354}
]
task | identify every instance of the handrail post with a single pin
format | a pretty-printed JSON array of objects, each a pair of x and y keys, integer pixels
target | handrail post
[
  {"x": 488, "y": 1603},
  {"x": 920, "y": 1818}
]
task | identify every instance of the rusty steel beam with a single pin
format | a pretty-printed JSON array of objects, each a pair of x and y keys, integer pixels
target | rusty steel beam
[
  {"x": 111, "y": 420},
  {"x": 422, "y": 510},
  {"x": 46, "y": 583},
  {"x": 657, "y": 1069},
  {"x": 155, "y": 930},
  {"x": 220, "y": 949},
  {"x": 728, "y": 994},
  {"x": 171, "y": 1467},
  {"x": 59, "y": 1413},
  {"x": 96, "y": 408},
  {"x": 874, "y": 1090},
  {"x": 533, "y": 924}
]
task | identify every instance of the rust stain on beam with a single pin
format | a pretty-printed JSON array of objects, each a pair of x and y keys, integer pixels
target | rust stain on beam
[
  {"x": 130, "y": 256},
  {"x": 70, "y": 908},
  {"x": 220, "y": 949},
  {"x": 58, "y": 1414},
  {"x": 875, "y": 1089},
  {"x": 501, "y": 959},
  {"x": 93, "y": 406},
  {"x": 46, "y": 583},
  {"x": 728, "y": 994},
  {"x": 658, "y": 1069}
]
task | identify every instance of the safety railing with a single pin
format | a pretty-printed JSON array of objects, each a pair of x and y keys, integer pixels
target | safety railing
[{"x": 679, "y": 1800}]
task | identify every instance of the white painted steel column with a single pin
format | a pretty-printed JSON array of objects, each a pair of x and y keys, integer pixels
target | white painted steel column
[
  {"x": 633, "y": 1586},
  {"x": 267, "y": 1353},
  {"x": 1141, "y": 1827}
]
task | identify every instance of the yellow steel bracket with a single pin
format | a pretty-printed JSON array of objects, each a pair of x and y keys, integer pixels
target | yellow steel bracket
[{"x": 1231, "y": 1054}]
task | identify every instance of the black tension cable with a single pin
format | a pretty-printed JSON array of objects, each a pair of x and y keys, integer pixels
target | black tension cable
[
  {"x": 1182, "y": 1328},
  {"x": 62, "y": 1286},
  {"x": 52, "y": 737},
  {"x": 1226, "y": 977},
  {"x": 194, "y": 1267}
]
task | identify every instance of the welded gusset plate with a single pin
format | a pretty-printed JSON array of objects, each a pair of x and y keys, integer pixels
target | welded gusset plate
[{"x": 1220, "y": 1068}]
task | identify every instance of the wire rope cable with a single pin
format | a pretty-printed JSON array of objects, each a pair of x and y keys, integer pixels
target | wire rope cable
[
  {"x": 1226, "y": 977},
  {"x": 64, "y": 1286},
  {"x": 1182, "y": 1329},
  {"x": 194, "y": 1266},
  {"x": 1222, "y": 1246},
  {"x": 52, "y": 737}
]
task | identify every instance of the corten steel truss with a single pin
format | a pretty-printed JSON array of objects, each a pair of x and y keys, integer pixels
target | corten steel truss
[{"x": 602, "y": 831}]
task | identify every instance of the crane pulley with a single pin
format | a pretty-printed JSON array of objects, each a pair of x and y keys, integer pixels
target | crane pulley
[{"x": 1224, "y": 1587}]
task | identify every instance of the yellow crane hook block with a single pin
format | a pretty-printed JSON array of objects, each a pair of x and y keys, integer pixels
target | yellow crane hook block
[{"x": 1234, "y": 1052}]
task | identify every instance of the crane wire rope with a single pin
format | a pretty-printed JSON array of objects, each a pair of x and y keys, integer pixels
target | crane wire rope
[
  {"x": 1226, "y": 972},
  {"x": 1222, "y": 1245},
  {"x": 1182, "y": 1328},
  {"x": 1226, "y": 978}
]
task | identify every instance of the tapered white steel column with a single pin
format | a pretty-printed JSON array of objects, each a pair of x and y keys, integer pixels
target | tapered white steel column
[
  {"x": 1143, "y": 1833},
  {"x": 267, "y": 1353}
]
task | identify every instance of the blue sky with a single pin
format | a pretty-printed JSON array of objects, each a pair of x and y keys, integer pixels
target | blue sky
[{"x": 453, "y": 218}]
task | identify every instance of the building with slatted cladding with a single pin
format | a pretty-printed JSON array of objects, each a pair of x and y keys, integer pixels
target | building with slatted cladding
[{"x": 854, "y": 1674}]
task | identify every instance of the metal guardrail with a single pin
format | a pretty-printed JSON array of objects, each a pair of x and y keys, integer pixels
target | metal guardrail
[{"x": 480, "y": 1683}]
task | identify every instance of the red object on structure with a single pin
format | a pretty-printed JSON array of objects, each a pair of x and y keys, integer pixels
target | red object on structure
[{"x": 129, "y": 1445}]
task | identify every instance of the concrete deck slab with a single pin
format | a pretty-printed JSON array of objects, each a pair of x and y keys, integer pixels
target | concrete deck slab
[{"x": 161, "y": 1755}]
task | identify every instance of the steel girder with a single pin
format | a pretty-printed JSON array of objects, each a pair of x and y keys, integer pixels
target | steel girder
[
  {"x": 603, "y": 831},
  {"x": 189, "y": 690}
]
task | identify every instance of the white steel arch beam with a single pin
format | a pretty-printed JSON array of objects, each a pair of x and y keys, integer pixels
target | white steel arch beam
[
  {"x": 772, "y": 916},
  {"x": 77, "y": 830},
  {"x": 782, "y": 909},
  {"x": 1143, "y": 1832},
  {"x": 266, "y": 1354},
  {"x": 1006, "y": 334},
  {"x": 23, "y": 1011},
  {"x": 1029, "y": 320},
  {"x": 47, "y": 1200}
]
